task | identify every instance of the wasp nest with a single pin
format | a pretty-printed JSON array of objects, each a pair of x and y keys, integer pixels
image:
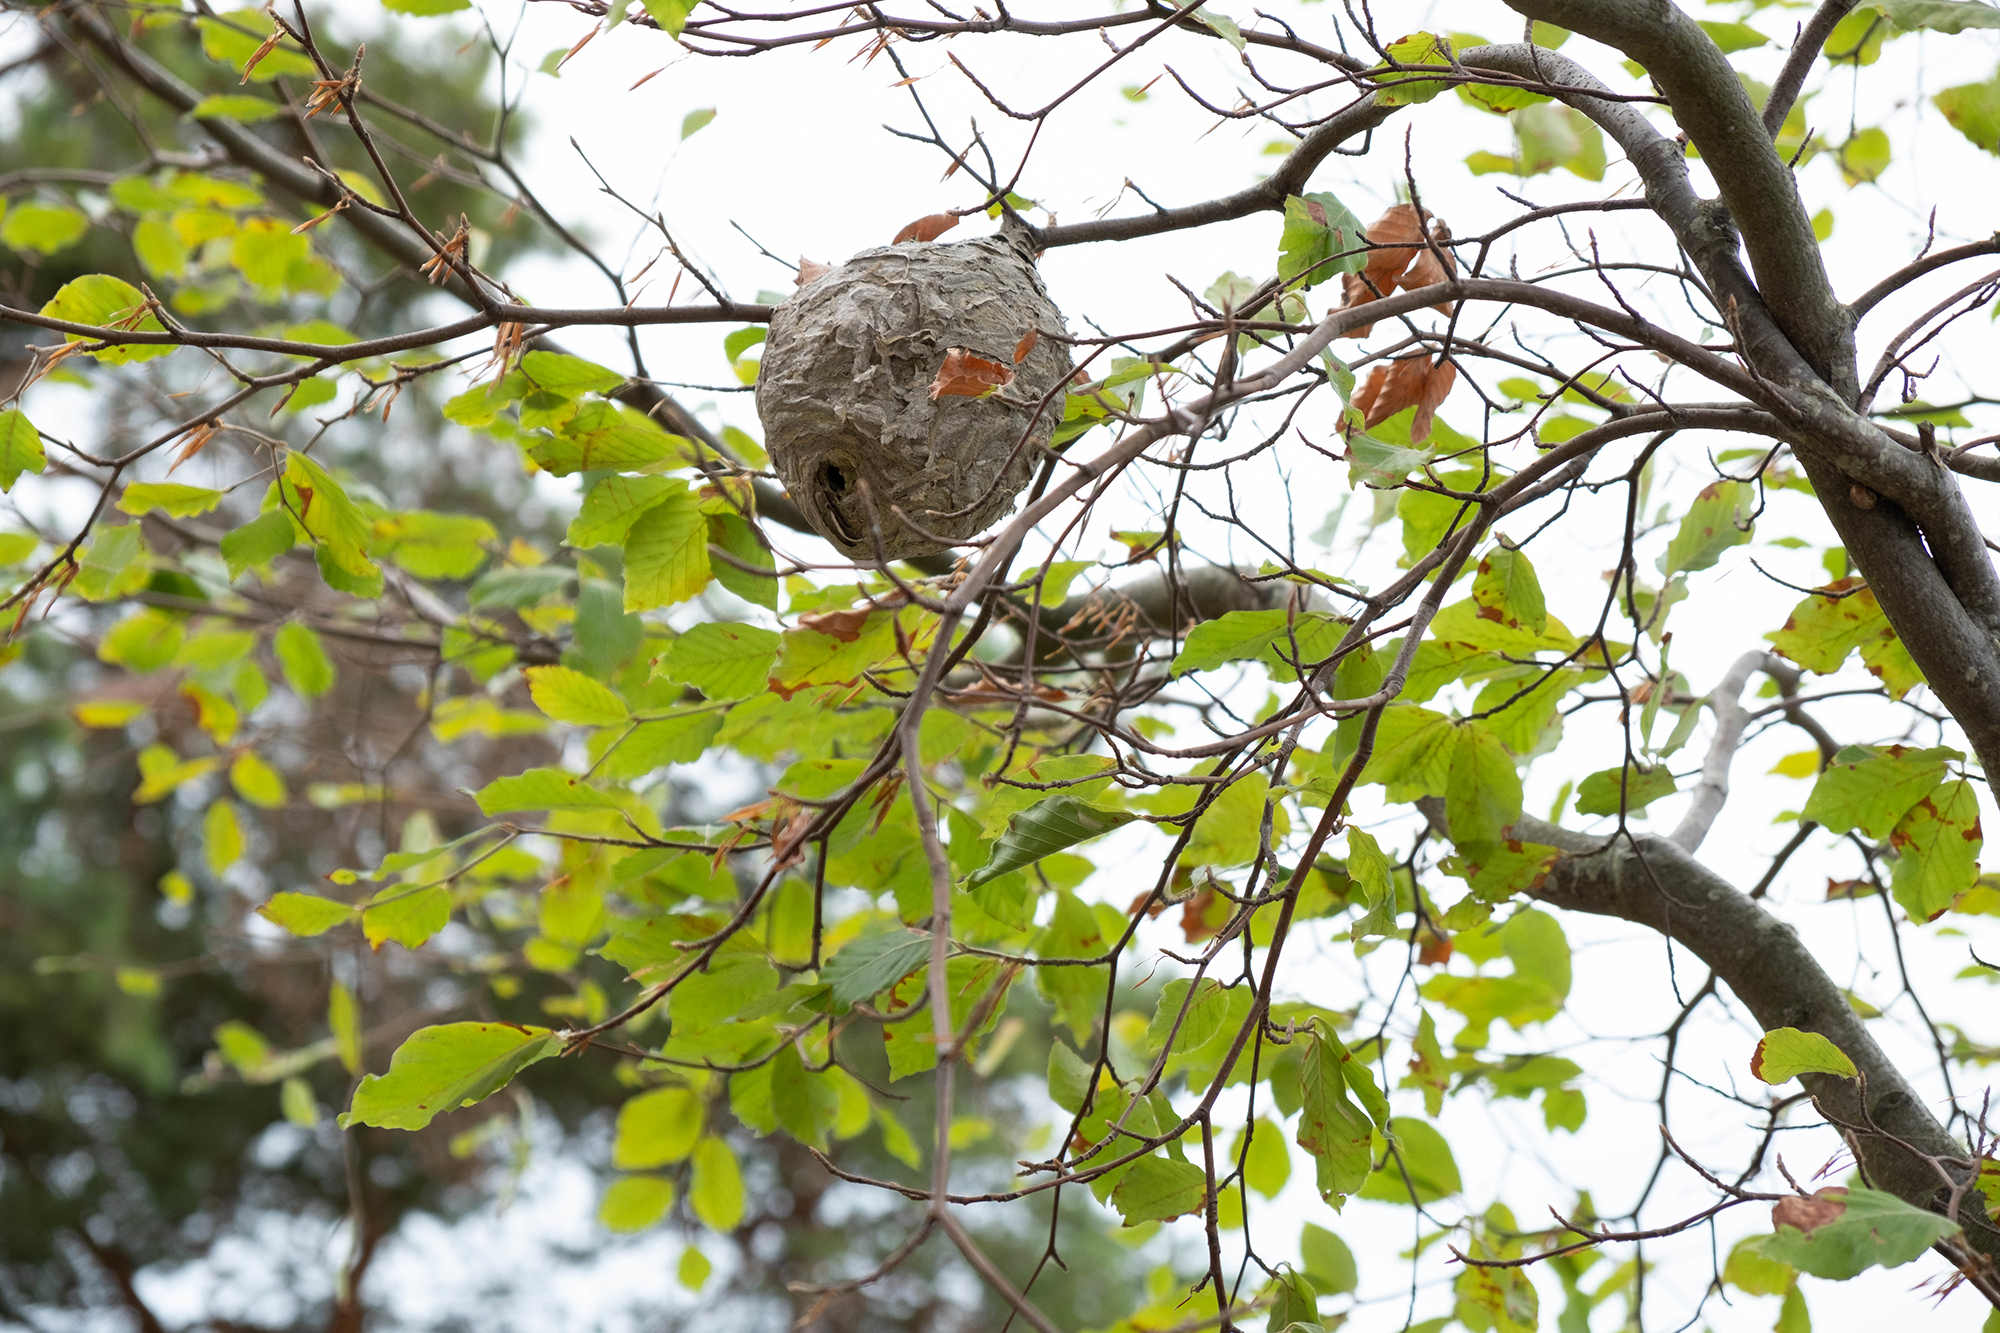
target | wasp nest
[{"x": 902, "y": 393}]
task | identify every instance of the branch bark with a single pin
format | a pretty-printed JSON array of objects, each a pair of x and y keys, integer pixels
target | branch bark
[{"x": 1654, "y": 883}]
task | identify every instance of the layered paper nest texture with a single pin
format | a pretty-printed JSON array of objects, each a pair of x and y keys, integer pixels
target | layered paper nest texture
[{"x": 845, "y": 394}]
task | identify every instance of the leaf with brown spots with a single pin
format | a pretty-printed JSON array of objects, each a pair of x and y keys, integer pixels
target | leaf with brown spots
[
  {"x": 965, "y": 375},
  {"x": 926, "y": 228}
]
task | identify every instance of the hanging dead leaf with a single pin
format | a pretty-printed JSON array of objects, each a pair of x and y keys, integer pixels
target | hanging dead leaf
[
  {"x": 1026, "y": 345},
  {"x": 926, "y": 229},
  {"x": 1428, "y": 271},
  {"x": 843, "y": 625},
  {"x": 1432, "y": 949},
  {"x": 1400, "y": 260},
  {"x": 1196, "y": 914},
  {"x": 811, "y": 269},
  {"x": 965, "y": 375},
  {"x": 1413, "y": 382}
]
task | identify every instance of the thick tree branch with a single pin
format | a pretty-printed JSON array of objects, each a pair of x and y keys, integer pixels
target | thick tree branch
[
  {"x": 1651, "y": 881},
  {"x": 1799, "y": 63},
  {"x": 1711, "y": 105}
]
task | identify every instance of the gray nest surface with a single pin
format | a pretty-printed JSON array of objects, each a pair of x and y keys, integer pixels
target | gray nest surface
[{"x": 845, "y": 394}]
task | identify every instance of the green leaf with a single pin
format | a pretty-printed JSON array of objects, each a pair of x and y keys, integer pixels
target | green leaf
[
  {"x": 517, "y": 589},
  {"x": 107, "y": 563},
  {"x": 1483, "y": 789},
  {"x": 543, "y": 789},
  {"x": 43, "y": 228},
  {"x": 1413, "y": 752},
  {"x": 1200, "y": 1019},
  {"x": 870, "y": 965},
  {"x": 1871, "y": 789},
  {"x": 570, "y": 696},
  {"x": 1869, "y": 1228},
  {"x": 717, "y": 1192},
  {"x": 1332, "y": 1128},
  {"x": 433, "y": 546},
  {"x": 20, "y": 448},
  {"x": 305, "y": 913},
  {"x": 671, "y": 15},
  {"x": 1420, "y": 1170},
  {"x": 143, "y": 497},
  {"x": 1864, "y": 156},
  {"x": 103, "y": 301},
  {"x": 235, "y": 106},
  {"x": 1783, "y": 1054},
  {"x": 676, "y": 739},
  {"x": 1051, "y": 826},
  {"x": 570, "y": 376},
  {"x": 260, "y": 541},
  {"x": 145, "y": 641},
  {"x": 1948, "y": 16},
  {"x": 256, "y": 781},
  {"x": 1321, "y": 239},
  {"x": 1266, "y": 1163},
  {"x": 1839, "y": 618},
  {"x": 1506, "y": 590},
  {"x": 632, "y": 1203},
  {"x": 603, "y": 435},
  {"x": 1294, "y": 1301},
  {"x": 735, "y": 535},
  {"x": 1241, "y": 635},
  {"x": 1154, "y": 1189},
  {"x": 1634, "y": 787},
  {"x": 406, "y": 915},
  {"x": 694, "y": 120},
  {"x": 339, "y": 530},
  {"x": 657, "y": 1128},
  {"x": 1069, "y": 1077},
  {"x": 302, "y": 657},
  {"x": 666, "y": 554},
  {"x": 221, "y": 838},
  {"x": 1937, "y": 845},
  {"x": 440, "y": 1069},
  {"x": 1974, "y": 111},
  {"x": 1399, "y": 89},
  {"x": 694, "y": 1265},
  {"x": 1328, "y": 1261},
  {"x": 1733, "y": 37},
  {"x": 1718, "y": 520},
  {"x": 723, "y": 661}
]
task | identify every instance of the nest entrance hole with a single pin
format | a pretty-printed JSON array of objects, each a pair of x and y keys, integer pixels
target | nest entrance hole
[{"x": 839, "y": 489}]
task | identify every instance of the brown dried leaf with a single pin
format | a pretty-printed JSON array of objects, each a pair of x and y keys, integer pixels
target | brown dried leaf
[
  {"x": 1398, "y": 230},
  {"x": 843, "y": 625},
  {"x": 811, "y": 270},
  {"x": 1413, "y": 382},
  {"x": 1196, "y": 922},
  {"x": 926, "y": 229},
  {"x": 965, "y": 375},
  {"x": 1428, "y": 272},
  {"x": 1433, "y": 950},
  {"x": 1806, "y": 1214},
  {"x": 1026, "y": 345},
  {"x": 197, "y": 438}
]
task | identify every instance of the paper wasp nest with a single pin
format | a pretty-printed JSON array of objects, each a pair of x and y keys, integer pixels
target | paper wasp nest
[{"x": 867, "y": 393}]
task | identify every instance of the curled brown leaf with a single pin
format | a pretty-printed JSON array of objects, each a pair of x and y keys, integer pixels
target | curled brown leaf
[
  {"x": 926, "y": 228},
  {"x": 811, "y": 270},
  {"x": 967, "y": 375},
  {"x": 1808, "y": 1213}
]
